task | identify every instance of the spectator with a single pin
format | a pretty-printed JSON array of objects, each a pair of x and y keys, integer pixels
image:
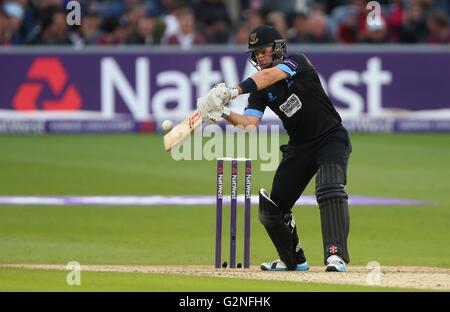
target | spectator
[
  {"x": 133, "y": 12},
  {"x": 241, "y": 34},
  {"x": 277, "y": 19},
  {"x": 438, "y": 29},
  {"x": 14, "y": 12},
  {"x": 171, "y": 23},
  {"x": 353, "y": 28},
  {"x": 52, "y": 30},
  {"x": 187, "y": 36},
  {"x": 89, "y": 29},
  {"x": 159, "y": 21},
  {"x": 426, "y": 5},
  {"x": 4, "y": 40},
  {"x": 215, "y": 31},
  {"x": 413, "y": 28},
  {"x": 394, "y": 19},
  {"x": 214, "y": 19},
  {"x": 376, "y": 33},
  {"x": 145, "y": 31},
  {"x": 36, "y": 16},
  {"x": 255, "y": 19},
  {"x": 299, "y": 31},
  {"x": 111, "y": 31},
  {"x": 318, "y": 31},
  {"x": 212, "y": 10}
]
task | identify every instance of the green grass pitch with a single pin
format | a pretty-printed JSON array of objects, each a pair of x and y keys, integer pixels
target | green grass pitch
[{"x": 401, "y": 166}]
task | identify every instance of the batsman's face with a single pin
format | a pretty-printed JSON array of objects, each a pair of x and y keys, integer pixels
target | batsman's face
[{"x": 264, "y": 57}]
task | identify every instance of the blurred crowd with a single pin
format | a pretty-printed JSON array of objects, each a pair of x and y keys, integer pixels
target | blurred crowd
[{"x": 187, "y": 23}]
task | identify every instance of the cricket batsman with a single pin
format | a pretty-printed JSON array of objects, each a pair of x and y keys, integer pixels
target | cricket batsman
[{"x": 318, "y": 145}]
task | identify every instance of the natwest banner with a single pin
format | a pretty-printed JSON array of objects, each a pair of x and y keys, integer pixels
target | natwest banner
[{"x": 91, "y": 91}]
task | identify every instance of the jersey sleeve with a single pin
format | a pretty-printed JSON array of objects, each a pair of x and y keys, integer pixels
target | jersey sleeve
[
  {"x": 256, "y": 105},
  {"x": 290, "y": 65}
]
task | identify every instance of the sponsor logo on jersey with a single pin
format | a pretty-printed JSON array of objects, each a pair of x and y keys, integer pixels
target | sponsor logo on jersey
[{"x": 291, "y": 106}]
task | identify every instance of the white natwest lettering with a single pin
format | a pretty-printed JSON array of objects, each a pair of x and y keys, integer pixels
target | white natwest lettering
[
  {"x": 175, "y": 87},
  {"x": 180, "y": 94},
  {"x": 173, "y": 100},
  {"x": 112, "y": 78},
  {"x": 204, "y": 77},
  {"x": 374, "y": 77}
]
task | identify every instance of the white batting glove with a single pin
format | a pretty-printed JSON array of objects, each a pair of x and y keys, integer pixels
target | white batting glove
[
  {"x": 211, "y": 110},
  {"x": 212, "y": 107},
  {"x": 202, "y": 107},
  {"x": 222, "y": 92},
  {"x": 232, "y": 93},
  {"x": 214, "y": 117}
]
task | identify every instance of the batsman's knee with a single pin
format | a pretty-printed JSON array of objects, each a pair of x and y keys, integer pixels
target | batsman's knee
[
  {"x": 269, "y": 213},
  {"x": 330, "y": 182}
]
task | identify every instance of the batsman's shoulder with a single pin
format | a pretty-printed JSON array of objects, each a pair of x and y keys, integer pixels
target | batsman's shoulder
[
  {"x": 295, "y": 56},
  {"x": 302, "y": 60}
]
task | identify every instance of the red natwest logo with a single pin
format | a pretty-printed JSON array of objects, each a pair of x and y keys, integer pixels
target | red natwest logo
[{"x": 47, "y": 70}]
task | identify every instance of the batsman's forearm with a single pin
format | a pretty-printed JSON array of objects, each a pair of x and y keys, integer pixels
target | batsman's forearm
[
  {"x": 264, "y": 78},
  {"x": 261, "y": 79},
  {"x": 240, "y": 120}
]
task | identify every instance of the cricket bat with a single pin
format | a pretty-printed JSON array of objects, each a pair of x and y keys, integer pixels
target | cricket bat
[{"x": 182, "y": 131}]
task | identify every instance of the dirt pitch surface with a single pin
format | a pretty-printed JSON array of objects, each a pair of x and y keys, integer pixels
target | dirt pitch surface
[{"x": 390, "y": 276}]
